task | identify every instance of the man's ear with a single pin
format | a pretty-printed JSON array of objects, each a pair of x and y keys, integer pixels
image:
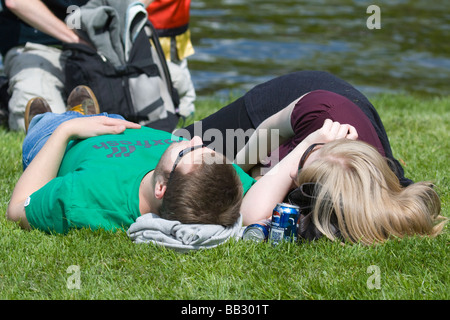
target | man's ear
[{"x": 160, "y": 189}]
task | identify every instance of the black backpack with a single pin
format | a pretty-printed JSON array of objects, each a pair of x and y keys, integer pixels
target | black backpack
[{"x": 141, "y": 90}]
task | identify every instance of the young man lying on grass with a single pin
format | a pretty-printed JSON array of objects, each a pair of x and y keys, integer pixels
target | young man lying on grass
[{"x": 85, "y": 169}]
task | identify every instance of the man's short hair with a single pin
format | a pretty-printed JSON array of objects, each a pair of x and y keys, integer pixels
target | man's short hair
[{"x": 210, "y": 194}]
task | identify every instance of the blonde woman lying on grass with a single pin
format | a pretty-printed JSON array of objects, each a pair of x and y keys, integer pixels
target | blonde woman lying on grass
[
  {"x": 346, "y": 190},
  {"x": 333, "y": 159}
]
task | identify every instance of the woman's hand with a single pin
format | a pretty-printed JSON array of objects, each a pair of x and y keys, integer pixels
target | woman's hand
[
  {"x": 275, "y": 185},
  {"x": 86, "y": 127},
  {"x": 330, "y": 131}
]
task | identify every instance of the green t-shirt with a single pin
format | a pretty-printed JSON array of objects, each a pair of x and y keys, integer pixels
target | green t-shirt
[{"x": 97, "y": 185}]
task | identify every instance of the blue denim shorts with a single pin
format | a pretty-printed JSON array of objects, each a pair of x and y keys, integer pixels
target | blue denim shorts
[{"x": 42, "y": 126}]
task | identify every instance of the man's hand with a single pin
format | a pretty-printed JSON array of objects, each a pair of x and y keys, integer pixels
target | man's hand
[{"x": 86, "y": 127}]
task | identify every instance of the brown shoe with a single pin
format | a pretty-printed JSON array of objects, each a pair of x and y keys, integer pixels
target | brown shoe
[
  {"x": 83, "y": 100},
  {"x": 34, "y": 107}
]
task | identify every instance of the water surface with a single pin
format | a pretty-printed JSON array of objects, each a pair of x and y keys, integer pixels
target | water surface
[{"x": 240, "y": 43}]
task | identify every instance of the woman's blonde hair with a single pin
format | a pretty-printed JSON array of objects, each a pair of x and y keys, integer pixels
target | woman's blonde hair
[{"x": 360, "y": 191}]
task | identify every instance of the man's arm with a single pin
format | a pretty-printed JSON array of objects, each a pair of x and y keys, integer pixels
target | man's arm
[
  {"x": 45, "y": 165},
  {"x": 37, "y": 15}
]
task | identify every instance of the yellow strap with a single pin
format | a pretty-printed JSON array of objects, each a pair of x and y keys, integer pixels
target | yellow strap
[
  {"x": 184, "y": 45},
  {"x": 183, "y": 42}
]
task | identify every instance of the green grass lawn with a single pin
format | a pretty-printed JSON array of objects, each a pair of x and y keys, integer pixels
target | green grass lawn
[{"x": 103, "y": 265}]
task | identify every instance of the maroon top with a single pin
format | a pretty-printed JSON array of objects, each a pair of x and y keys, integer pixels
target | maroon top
[{"x": 314, "y": 108}]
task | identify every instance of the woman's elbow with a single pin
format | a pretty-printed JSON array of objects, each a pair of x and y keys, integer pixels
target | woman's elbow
[{"x": 253, "y": 213}]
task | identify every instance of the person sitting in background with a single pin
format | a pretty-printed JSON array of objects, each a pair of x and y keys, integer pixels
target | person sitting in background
[{"x": 31, "y": 32}]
